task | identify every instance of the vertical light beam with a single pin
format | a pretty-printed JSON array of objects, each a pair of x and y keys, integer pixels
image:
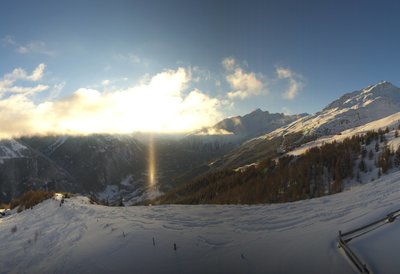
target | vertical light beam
[{"x": 152, "y": 162}]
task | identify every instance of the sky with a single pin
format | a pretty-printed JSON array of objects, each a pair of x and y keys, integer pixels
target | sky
[{"x": 174, "y": 66}]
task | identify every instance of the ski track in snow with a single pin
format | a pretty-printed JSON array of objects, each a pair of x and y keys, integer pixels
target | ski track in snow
[{"x": 298, "y": 237}]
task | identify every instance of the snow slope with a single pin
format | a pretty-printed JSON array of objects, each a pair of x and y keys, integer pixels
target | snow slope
[
  {"x": 391, "y": 121},
  {"x": 351, "y": 110},
  {"x": 12, "y": 149},
  {"x": 297, "y": 237}
]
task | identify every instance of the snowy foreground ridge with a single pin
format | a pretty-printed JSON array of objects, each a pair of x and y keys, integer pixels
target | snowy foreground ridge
[{"x": 297, "y": 237}]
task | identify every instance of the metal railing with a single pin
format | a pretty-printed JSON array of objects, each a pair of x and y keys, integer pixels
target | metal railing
[{"x": 345, "y": 238}]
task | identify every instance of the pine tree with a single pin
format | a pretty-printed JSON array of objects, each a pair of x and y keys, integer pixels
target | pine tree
[
  {"x": 362, "y": 166},
  {"x": 397, "y": 157},
  {"x": 370, "y": 154},
  {"x": 337, "y": 184},
  {"x": 363, "y": 153}
]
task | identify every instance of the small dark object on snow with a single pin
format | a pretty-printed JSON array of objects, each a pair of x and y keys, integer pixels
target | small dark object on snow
[
  {"x": 175, "y": 246},
  {"x": 242, "y": 256},
  {"x": 390, "y": 218}
]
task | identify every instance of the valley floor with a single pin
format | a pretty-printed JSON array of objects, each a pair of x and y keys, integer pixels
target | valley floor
[{"x": 298, "y": 237}]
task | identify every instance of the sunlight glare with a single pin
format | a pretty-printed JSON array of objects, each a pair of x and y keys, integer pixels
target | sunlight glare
[{"x": 152, "y": 163}]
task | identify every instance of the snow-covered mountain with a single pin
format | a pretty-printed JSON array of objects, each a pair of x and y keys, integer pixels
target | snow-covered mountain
[
  {"x": 96, "y": 162},
  {"x": 12, "y": 149},
  {"x": 92, "y": 163},
  {"x": 352, "y": 110},
  {"x": 85, "y": 164},
  {"x": 23, "y": 168},
  {"x": 250, "y": 125}
]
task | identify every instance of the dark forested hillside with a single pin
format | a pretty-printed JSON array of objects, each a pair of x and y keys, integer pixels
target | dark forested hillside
[{"x": 320, "y": 171}]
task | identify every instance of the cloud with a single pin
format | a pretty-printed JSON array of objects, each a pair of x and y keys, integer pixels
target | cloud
[
  {"x": 199, "y": 74},
  {"x": 229, "y": 63},
  {"x": 28, "y": 90},
  {"x": 131, "y": 58},
  {"x": 164, "y": 102},
  {"x": 35, "y": 47},
  {"x": 105, "y": 82},
  {"x": 31, "y": 47},
  {"x": 8, "y": 81},
  {"x": 56, "y": 90},
  {"x": 295, "y": 82},
  {"x": 8, "y": 40},
  {"x": 244, "y": 84},
  {"x": 37, "y": 74}
]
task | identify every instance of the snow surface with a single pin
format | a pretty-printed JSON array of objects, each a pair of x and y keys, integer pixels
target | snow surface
[{"x": 298, "y": 237}]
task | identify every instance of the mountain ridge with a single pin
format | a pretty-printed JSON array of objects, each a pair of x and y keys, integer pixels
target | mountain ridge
[
  {"x": 250, "y": 125},
  {"x": 351, "y": 110}
]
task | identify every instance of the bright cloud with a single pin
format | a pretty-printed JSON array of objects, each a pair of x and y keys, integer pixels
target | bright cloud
[
  {"x": 37, "y": 74},
  {"x": 244, "y": 84},
  {"x": 162, "y": 103},
  {"x": 8, "y": 82},
  {"x": 295, "y": 82}
]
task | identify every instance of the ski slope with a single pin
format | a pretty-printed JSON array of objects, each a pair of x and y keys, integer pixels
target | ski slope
[{"x": 298, "y": 237}]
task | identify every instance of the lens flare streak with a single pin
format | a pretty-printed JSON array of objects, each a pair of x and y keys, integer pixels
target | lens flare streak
[{"x": 152, "y": 163}]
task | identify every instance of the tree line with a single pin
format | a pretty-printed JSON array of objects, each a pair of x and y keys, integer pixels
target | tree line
[{"x": 321, "y": 170}]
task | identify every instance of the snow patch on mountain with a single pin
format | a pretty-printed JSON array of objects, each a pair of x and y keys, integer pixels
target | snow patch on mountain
[
  {"x": 59, "y": 142},
  {"x": 12, "y": 149}
]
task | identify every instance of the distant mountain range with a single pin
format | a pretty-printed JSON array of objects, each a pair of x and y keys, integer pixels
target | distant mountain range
[
  {"x": 90, "y": 164},
  {"x": 313, "y": 156},
  {"x": 351, "y": 110}
]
